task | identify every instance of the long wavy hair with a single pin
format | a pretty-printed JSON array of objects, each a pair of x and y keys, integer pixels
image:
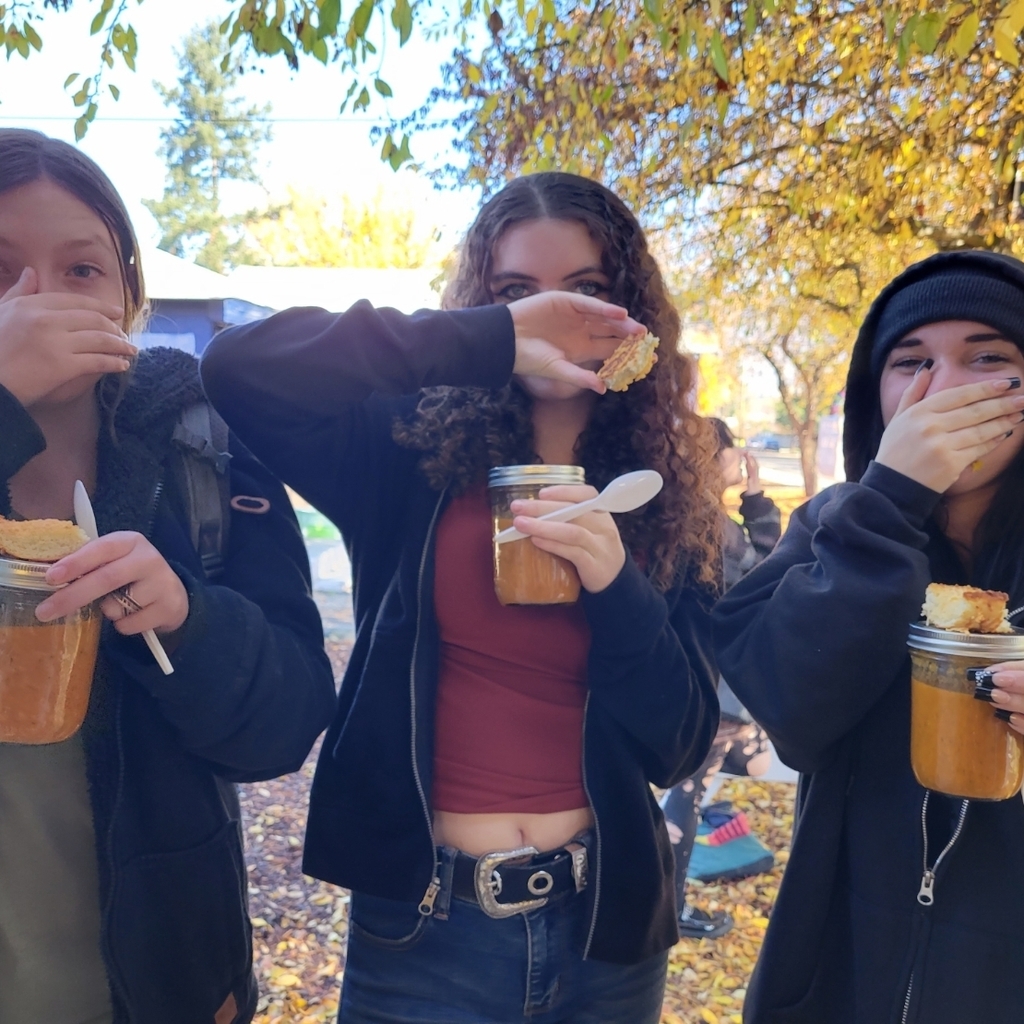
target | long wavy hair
[
  {"x": 463, "y": 432},
  {"x": 28, "y": 156}
]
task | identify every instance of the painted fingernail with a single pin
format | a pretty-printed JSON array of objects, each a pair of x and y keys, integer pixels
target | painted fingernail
[
  {"x": 980, "y": 676},
  {"x": 1002, "y": 714},
  {"x": 926, "y": 365},
  {"x": 984, "y": 691},
  {"x": 1014, "y": 383}
]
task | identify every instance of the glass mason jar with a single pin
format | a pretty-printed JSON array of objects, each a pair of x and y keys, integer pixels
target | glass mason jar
[
  {"x": 957, "y": 745},
  {"x": 523, "y": 574},
  {"x": 46, "y": 668}
]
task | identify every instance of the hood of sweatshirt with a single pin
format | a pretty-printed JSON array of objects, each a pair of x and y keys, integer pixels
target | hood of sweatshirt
[{"x": 863, "y": 418}]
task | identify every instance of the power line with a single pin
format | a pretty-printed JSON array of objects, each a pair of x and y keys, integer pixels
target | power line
[{"x": 225, "y": 120}]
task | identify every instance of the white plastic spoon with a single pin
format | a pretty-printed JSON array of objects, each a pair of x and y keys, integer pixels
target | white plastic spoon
[
  {"x": 623, "y": 494},
  {"x": 87, "y": 521}
]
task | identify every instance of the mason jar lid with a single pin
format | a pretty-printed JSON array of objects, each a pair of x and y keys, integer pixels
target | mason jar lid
[
  {"x": 18, "y": 575},
  {"x": 998, "y": 646},
  {"x": 537, "y": 474}
]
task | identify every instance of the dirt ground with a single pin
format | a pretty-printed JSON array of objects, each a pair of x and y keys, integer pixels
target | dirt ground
[{"x": 300, "y": 924}]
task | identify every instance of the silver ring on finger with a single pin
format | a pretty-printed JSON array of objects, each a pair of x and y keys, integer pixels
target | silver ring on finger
[{"x": 123, "y": 596}]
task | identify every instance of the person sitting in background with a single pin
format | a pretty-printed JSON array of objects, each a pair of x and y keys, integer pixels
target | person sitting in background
[{"x": 726, "y": 848}]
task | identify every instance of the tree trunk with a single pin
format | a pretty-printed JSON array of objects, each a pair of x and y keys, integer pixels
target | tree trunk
[{"x": 808, "y": 457}]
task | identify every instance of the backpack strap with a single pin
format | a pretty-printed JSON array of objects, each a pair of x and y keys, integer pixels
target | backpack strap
[{"x": 201, "y": 470}]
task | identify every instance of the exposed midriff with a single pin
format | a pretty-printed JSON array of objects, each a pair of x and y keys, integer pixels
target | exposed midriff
[{"x": 45, "y": 678}]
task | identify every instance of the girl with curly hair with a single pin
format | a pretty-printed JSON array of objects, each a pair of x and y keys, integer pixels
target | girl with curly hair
[{"x": 484, "y": 790}]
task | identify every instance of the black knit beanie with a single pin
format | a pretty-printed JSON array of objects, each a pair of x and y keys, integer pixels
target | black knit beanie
[{"x": 950, "y": 293}]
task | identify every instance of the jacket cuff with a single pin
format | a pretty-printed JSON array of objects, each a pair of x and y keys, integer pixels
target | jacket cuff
[
  {"x": 488, "y": 362},
  {"x": 23, "y": 440},
  {"x": 914, "y": 500},
  {"x": 756, "y": 506},
  {"x": 627, "y": 616}
]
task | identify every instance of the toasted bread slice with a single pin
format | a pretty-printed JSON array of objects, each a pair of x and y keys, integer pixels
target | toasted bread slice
[
  {"x": 965, "y": 609},
  {"x": 40, "y": 540},
  {"x": 630, "y": 362}
]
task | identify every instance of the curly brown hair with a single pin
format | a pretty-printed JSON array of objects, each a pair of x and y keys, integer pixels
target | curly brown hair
[{"x": 465, "y": 431}]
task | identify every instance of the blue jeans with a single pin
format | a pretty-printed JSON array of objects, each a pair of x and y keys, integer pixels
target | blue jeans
[{"x": 462, "y": 967}]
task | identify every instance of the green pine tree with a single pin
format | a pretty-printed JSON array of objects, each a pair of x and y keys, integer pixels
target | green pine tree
[{"x": 213, "y": 139}]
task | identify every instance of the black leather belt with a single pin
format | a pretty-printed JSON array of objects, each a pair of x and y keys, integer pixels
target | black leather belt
[{"x": 514, "y": 881}]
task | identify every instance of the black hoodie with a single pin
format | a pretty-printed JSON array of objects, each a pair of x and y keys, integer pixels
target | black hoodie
[{"x": 813, "y": 641}]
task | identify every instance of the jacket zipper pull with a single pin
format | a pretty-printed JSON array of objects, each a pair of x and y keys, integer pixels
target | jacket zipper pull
[
  {"x": 430, "y": 897},
  {"x": 924, "y": 895}
]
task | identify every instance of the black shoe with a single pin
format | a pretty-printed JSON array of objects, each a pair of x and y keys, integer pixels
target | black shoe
[{"x": 699, "y": 924}]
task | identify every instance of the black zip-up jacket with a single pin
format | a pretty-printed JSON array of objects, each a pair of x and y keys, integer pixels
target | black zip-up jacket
[
  {"x": 316, "y": 396},
  {"x": 251, "y": 690},
  {"x": 813, "y": 641}
]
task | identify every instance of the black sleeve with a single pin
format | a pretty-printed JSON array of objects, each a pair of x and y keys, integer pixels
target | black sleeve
[
  {"x": 652, "y": 670},
  {"x": 252, "y": 687},
  {"x": 312, "y": 393},
  {"x": 20, "y": 437},
  {"x": 812, "y": 637},
  {"x": 762, "y": 523}
]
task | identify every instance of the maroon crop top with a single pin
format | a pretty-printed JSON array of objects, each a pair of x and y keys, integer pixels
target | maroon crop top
[{"x": 512, "y": 685}]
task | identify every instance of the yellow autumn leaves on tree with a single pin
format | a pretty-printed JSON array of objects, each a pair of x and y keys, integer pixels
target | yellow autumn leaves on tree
[
  {"x": 312, "y": 230},
  {"x": 798, "y": 154}
]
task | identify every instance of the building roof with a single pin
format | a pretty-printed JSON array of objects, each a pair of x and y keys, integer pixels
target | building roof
[
  {"x": 170, "y": 277},
  {"x": 334, "y": 288}
]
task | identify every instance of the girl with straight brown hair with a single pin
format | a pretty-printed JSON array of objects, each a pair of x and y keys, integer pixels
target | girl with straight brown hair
[{"x": 122, "y": 883}]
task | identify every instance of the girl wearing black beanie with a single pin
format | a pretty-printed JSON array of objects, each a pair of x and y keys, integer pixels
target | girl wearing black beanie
[{"x": 813, "y": 641}]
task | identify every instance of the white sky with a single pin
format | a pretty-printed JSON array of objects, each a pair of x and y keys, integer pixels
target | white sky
[{"x": 312, "y": 148}]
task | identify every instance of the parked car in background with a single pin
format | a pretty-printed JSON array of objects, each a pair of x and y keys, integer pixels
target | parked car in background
[{"x": 765, "y": 442}]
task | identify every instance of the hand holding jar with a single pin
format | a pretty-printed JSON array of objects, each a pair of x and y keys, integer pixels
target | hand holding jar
[
  {"x": 592, "y": 542},
  {"x": 115, "y": 561},
  {"x": 1003, "y": 687}
]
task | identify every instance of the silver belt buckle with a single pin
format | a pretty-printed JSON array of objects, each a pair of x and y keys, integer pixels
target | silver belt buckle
[
  {"x": 578, "y": 852},
  {"x": 487, "y": 881}
]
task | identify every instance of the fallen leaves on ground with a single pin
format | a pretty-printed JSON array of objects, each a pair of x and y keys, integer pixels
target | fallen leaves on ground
[
  {"x": 707, "y": 978},
  {"x": 300, "y": 924}
]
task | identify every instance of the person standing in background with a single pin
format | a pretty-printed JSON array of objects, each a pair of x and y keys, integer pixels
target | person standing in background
[{"x": 741, "y": 746}]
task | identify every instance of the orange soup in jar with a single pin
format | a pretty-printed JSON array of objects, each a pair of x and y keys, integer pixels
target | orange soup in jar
[
  {"x": 46, "y": 669},
  {"x": 523, "y": 574},
  {"x": 957, "y": 745}
]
